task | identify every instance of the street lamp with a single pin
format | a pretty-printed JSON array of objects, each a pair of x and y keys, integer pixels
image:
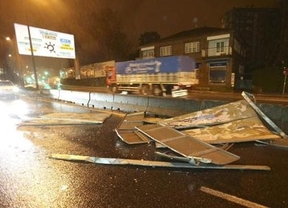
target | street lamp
[
  {"x": 15, "y": 56},
  {"x": 6, "y": 57}
]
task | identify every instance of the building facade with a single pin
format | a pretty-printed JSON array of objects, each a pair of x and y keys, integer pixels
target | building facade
[
  {"x": 261, "y": 29},
  {"x": 218, "y": 53}
]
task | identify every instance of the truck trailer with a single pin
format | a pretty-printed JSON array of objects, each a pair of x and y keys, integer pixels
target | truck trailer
[{"x": 157, "y": 76}]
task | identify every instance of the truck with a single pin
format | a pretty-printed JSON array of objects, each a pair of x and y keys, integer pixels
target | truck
[{"x": 155, "y": 76}]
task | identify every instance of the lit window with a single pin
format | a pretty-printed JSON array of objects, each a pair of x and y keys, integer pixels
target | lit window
[
  {"x": 166, "y": 51},
  {"x": 192, "y": 47}
]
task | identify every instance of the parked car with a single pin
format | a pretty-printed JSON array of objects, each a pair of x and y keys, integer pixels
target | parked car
[{"x": 8, "y": 89}]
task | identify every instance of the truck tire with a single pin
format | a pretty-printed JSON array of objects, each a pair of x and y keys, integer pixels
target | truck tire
[
  {"x": 157, "y": 90},
  {"x": 145, "y": 90},
  {"x": 114, "y": 88}
]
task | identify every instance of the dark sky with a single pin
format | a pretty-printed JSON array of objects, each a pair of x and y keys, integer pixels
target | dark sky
[
  {"x": 138, "y": 16},
  {"x": 163, "y": 16},
  {"x": 171, "y": 16}
]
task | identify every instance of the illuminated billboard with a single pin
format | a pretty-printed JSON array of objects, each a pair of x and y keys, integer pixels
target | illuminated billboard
[{"x": 45, "y": 43}]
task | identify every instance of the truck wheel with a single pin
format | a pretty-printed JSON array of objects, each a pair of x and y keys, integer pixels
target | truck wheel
[
  {"x": 157, "y": 90},
  {"x": 114, "y": 89},
  {"x": 145, "y": 90}
]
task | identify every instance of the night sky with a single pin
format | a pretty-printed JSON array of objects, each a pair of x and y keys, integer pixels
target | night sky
[{"x": 138, "y": 16}]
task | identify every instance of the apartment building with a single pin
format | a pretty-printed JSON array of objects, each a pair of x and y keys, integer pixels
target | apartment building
[
  {"x": 219, "y": 56},
  {"x": 262, "y": 29}
]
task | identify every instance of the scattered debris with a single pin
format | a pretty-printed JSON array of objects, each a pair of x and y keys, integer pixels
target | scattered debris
[
  {"x": 258, "y": 110},
  {"x": 244, "y": 130},
  {"x": 231, "y": 198},
  {"x": 187, "y": 146},
  {"x": 147, "y": 163},
  {"x": 126, "y": 130},
  {"x": 66, "y": 119},
  {"x": 190, "y": 136},
  {"x": 200, "y": 140},
  {"x": 213, "y": 116}
]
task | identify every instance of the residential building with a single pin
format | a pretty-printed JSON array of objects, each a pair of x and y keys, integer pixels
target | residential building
[{"x": 218, "y": 53}]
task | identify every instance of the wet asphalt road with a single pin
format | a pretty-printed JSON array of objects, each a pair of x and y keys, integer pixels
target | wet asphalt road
[{"x": 29, "y": 178}]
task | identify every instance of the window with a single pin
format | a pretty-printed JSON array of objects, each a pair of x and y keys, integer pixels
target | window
[
  {"x": 219, "y": 47},
  {"x": 148, "y": 54},
  {"x": 166, "y": 51},
  {"x": 192, "y": 47},
  {"x": 218, "y": 72}
]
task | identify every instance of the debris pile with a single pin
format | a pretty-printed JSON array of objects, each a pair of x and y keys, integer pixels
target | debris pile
[
  {"x": 195, "y": 137},
  {"x": 196, "y": 140}
]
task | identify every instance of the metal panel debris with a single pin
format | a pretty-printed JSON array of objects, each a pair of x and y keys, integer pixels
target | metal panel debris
[
  {"x": 66, "y": 119},
  {"x": 131, "y": 120},
  {"x": 258, "y": 110},
  {"x": 187, "y": 146},
  {"x": 189, "y": 137},
  {"x": 245, "y": 130},
  {"x": 148, "y": 163},
  {"x": 126, "y": 130},
  {"x": 132, "y": 137},
  {"x": 212, "y": 116}
]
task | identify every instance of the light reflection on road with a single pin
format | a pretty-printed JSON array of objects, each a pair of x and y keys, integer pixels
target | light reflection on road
[
  {"x": 11, "y": 111},
  {"x": 22, "y": 162}
]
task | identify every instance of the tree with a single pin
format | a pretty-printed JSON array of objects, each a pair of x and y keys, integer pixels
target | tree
[
  {"x": 148, "y": 37},
  {"x": 111, "y": 43}
]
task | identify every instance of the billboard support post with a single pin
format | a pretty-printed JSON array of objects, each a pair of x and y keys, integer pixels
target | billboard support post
[{"x": 33, "y": 59}]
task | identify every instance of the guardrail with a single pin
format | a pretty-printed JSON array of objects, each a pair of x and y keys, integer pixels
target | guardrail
[{"x": 162, "y": 106}]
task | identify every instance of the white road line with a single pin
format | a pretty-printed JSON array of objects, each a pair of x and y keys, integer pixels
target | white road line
[{"x": 231, "y": 198}]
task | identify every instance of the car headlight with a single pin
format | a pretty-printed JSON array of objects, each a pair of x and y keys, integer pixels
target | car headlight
[{"x": 16, "y": 89}]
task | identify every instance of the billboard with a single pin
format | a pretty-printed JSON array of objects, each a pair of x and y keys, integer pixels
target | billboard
[{"x": 45, "y": 43}]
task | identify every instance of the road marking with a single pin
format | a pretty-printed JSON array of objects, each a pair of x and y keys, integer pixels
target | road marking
[{"x": 231, "y": 198}]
